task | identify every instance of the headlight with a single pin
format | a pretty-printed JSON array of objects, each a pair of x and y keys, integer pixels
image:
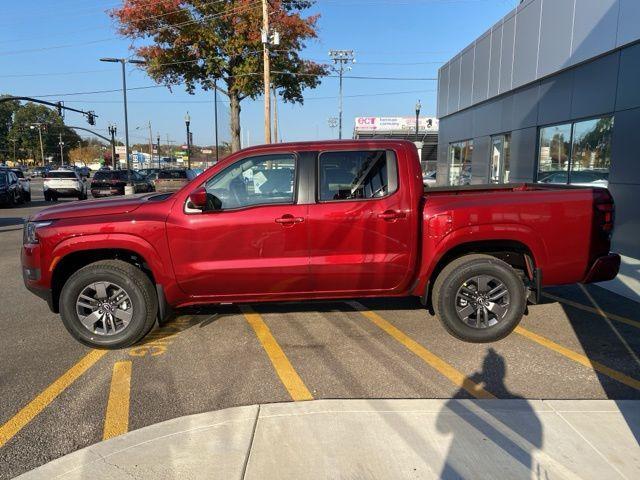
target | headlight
[{"x": 30, "y": 231}]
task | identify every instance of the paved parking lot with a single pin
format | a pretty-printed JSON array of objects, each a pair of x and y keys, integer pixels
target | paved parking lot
[{"x": 58, "y": 396}]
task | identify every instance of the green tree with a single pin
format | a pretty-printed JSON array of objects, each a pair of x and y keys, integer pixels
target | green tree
[
  {"x": 199, "y": 42},
  {"x": 7, "y": 110},
  {"x": 25, "y": 132}
]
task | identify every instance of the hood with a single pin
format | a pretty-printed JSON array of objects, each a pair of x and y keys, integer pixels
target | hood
[{"x": 90, "y": 208}]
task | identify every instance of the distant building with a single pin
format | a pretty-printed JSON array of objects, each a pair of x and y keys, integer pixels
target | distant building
[
  {"x": 551, "y": 94},
  {"x": 403, "y": 128}
]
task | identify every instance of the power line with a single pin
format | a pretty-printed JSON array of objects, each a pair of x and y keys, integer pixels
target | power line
[{"x": 237, "y": 10}]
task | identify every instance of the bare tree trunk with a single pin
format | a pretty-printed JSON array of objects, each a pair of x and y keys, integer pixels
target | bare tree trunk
[{"x": 234, "y": 114}]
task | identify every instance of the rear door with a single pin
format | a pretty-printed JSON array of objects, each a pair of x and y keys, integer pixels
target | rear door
[{"x": 363, "y": 226}]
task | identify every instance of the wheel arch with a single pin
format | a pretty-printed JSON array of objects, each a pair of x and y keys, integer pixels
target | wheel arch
[
  {"x": 514, "y": 252},
  {"x": 71, "y": 256}
]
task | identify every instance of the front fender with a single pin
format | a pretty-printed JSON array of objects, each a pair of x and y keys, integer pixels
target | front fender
[{"x": 119, "y": 241}]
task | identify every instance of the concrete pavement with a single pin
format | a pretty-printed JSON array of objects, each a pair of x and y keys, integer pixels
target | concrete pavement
[{"x": 375, "y": 439}]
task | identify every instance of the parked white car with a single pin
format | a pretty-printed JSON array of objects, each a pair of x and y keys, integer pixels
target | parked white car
[{"x": 64, "y": 183}]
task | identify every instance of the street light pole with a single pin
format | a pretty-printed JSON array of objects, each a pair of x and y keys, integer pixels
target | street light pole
[
  {"x": 112, "y": 132},
  {"x": 123, "y": 62},
  {"x": 61, "y": 143},
  {"x": 158, "y": 147},
  {"x": 187, "y": 121}
]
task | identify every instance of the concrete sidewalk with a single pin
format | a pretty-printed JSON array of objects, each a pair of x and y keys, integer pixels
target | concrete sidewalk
[{"x": 375, "y": 439}]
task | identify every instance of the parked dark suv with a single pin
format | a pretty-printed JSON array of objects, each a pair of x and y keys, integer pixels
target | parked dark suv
[{"x": 112, "y": 182}]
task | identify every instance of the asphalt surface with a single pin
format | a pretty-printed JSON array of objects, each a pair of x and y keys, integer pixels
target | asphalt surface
[{"x": 219, "y": 357}]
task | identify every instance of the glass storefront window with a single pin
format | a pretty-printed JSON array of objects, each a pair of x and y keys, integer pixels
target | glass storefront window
[
  {"x": 591, "y": 152},
  {"x": 578, "y": 153},
  {"x": 460, "y": 155},
  {"x": 553, "y": 158},
  {"x": 500, "y": 156}
]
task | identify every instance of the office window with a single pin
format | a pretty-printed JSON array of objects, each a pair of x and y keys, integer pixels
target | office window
[
  {"x": 500, "y": 156},
  {"x": 577, "y": 154},
  {"x": 357, "y": 175},
  {"x": 460, "y": 154}
]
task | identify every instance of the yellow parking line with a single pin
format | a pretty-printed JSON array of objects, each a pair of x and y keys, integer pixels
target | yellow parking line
[
  {"x": 586, "y": 308},
  {"x": 579, "y": 358},
  {"x": 116, "y": 420},
  {"x": 455, "y": 376},
  {"x": 39, "y": 403},
  {"x": 288, "y": 375}
]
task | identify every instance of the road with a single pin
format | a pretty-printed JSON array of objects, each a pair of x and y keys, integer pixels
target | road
[{"x": 58, "y": 396}]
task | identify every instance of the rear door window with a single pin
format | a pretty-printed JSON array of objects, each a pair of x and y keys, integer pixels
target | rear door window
[
  {"x": 356, "y": 175},
  {"x": 62, "y": 175}
]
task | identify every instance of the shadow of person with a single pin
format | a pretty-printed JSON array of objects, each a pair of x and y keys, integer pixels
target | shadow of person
[{"x": 490, "y": 438}]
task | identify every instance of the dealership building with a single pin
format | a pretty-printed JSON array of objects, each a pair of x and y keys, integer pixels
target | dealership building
[
  {"x": 404, "y": 128},
  {"x": 551, "y": 94}
]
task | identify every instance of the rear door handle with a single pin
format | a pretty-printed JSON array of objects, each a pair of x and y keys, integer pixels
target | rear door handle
[
  {"x": 289, "y": 219},
  {"x": 391, "y": 215}
]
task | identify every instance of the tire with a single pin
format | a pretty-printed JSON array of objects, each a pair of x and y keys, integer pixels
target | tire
[
  {"x": 47, "y": 197},
  {"x": 447, "y": 302},
  {"x": 132, "y": 281},
  {"x": 28, "y": 197}
]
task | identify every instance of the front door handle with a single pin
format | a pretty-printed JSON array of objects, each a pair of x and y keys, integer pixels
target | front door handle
[
  {"x": 391, "y": 215},
  {"x": 289, "y": 219}
]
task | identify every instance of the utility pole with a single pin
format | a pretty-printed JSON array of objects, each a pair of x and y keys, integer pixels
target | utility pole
[
  {"x": 275, "y": 115},
  {"x": 112, "y": 132},
  {"x": 61, "y": 143},
  {"x": 150, "y": 145},
  {"x": 39, "y": 127},
  {"x": 215, "y": 114},
  {"x": 341, "y": 58},
  {"x": 158, "y": 147},
  {"x": 267, "y": 71}
]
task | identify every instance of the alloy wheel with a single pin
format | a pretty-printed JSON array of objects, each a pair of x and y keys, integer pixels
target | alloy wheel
[
  {"x": 482, "y": 301},
  {"x": 104, "y": 308}
]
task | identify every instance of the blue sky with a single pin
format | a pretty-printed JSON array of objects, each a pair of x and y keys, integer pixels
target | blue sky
[{"x": 53, "y": 46}]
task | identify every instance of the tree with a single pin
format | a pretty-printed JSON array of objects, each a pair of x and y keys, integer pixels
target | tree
[
  {"x": 208, "y": 42},
  {"x": 7, "y": 110},
  {"x": 27, "y": 140}
]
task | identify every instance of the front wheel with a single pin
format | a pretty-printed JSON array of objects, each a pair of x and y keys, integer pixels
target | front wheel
[
  {"x": 479, "y": 298},
  {"x": 108, "y": 304}
]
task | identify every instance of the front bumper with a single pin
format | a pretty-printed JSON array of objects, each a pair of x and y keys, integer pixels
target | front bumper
[
  {"x": 603, "y": 269},
  {"x": 31, "y": 276}
]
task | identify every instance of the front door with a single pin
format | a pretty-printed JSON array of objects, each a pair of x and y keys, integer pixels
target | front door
[
  {"x": 362, "y": 228},
  {"x": 254, "y": 240}
]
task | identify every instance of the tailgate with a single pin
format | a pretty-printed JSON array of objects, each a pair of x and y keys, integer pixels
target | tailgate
[{"x": 63, "y": 183}]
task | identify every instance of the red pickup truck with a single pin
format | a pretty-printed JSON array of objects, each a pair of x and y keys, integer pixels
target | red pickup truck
[{"x": 316, "y": 220}]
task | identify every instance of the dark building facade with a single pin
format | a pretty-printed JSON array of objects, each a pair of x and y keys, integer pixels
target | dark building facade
[{"x": 551, "y": 94}]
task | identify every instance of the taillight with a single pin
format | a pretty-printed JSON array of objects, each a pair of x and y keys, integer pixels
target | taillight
[{"x": 606, "y": 212}]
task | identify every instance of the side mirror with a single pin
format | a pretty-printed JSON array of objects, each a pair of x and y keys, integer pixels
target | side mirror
[{"x": 198, "y": 198}]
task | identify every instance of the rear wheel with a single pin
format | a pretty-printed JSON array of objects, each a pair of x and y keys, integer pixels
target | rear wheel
[
  {"x": 479, "y": 298},
  {"x": 108, "y": 304},
  {"x": 47, "y": 197}
]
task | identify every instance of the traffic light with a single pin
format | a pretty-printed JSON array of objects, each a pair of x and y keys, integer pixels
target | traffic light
[
  {"x": 91, "y": 118},
  {"x": 59, "y": 107}
]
